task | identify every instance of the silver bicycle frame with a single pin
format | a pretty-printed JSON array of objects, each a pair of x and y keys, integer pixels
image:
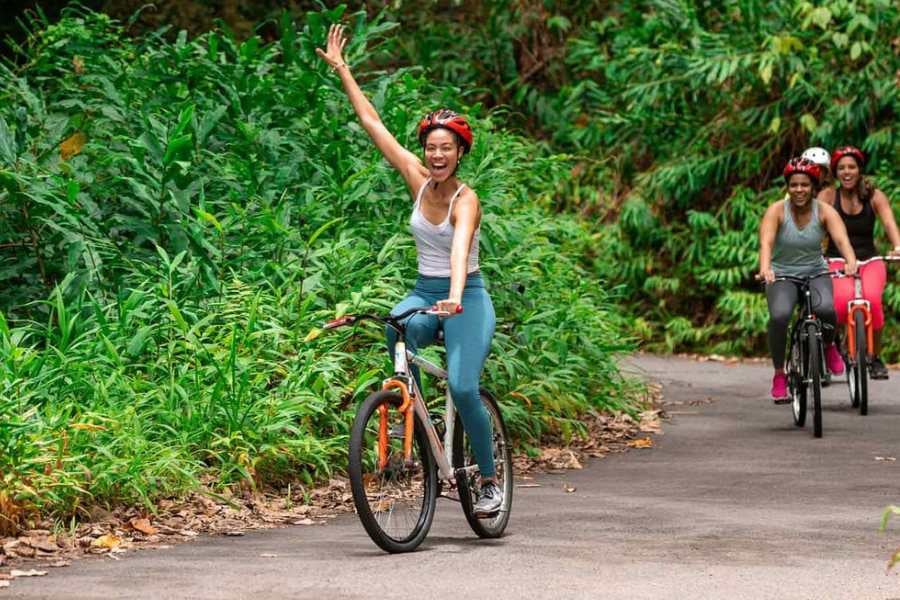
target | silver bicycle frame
[{"x": 442, "y": 452}]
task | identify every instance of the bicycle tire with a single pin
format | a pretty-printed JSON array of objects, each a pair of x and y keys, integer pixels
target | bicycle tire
[
  {"x": 467, "y": 487},
  {"x": 815, "y": 362},
  {"x": 795, "y": 382},
  {"x": 862, "y": 362},
  {"x": 852, "y": 381},
  {"x": 359, "y": 453}
]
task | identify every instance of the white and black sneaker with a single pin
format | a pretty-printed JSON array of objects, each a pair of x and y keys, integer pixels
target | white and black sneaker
[
  {"x": 490, "y": 499},
  {"x": 877, "y": 370}
]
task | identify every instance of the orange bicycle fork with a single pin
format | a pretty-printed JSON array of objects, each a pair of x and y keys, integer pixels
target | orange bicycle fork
[
  {"x": 855, "y": 307},
  {"x": 411, "y": 404},
  {"x": 405, "y": 409}
]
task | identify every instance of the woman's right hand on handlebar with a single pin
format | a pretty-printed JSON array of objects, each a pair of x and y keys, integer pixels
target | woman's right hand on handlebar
[
  {"x": 850, "y": 267},
  {"x": 767, "y": 275},
  {"x": 336, "y": 43}
]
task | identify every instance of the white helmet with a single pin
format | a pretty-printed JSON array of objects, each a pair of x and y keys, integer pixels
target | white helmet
[{"x": 817, "y": 155}]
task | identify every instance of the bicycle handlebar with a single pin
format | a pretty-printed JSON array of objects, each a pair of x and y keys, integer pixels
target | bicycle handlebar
[
  {"x": 893, "y": 259},
  {"x": 873, "y": 259},
  {"x": 795, "y": 279},
  {"x": 392, "y": 320}
]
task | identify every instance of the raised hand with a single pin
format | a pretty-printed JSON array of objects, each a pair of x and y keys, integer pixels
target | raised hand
[{"x": 336, "y": 42}]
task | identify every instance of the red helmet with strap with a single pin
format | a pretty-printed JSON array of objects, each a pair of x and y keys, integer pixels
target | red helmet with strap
[
  {"x": 853, "y": 151},
  {"x": 447, "y": 119},
  {"x": 802, "y": 165}
]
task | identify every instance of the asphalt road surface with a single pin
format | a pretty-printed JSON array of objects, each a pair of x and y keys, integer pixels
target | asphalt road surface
[{"x": 733, "y": 502}]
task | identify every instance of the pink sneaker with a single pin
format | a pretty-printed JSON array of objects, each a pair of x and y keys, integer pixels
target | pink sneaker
[
  {"x": 779, "y": 389},
  {"x": 834, "y": 360}
]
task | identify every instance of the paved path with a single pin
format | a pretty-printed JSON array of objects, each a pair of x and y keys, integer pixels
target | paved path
[{"x": 734, "y": 502}]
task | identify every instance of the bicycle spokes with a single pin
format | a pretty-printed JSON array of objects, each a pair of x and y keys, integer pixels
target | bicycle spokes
[{"x": 394, "y": 479}]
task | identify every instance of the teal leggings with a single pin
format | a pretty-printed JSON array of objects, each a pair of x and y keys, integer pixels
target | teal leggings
[{"x": 467, "y": 337}]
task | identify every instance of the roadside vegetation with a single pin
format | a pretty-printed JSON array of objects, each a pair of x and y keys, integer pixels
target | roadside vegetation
[
  {"x": 682, "y": 115},
  {"x": 180, "y": 209},
  {"x": 178, "y": 213}
]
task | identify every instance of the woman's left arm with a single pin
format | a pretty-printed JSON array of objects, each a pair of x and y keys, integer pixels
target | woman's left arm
[
  {"x": 882, "y": 207},
  {"x": 466, "y": 212}
]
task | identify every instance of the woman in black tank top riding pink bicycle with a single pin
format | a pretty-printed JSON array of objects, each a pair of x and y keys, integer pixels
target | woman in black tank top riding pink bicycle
[{"x": 859, "y": 205}]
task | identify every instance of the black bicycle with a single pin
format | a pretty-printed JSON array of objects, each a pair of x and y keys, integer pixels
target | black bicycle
[{"x": 806, "y": 356}]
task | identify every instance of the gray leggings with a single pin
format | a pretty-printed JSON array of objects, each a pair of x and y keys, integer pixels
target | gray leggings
[{"x": 783, "y": 296}]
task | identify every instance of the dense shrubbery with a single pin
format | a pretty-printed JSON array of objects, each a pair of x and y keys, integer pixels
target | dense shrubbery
[
  {"x": 176, "y": 216},
  {"x": 684, "y": 112}
]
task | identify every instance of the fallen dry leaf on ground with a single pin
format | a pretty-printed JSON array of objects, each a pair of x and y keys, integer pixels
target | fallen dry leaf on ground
[
  {"x": 641, "y": 443},
  {"x": 29, "y": 573},
  {"x": 569, "y": 489},
  {"x": 560, "y": 458},
  {"x": 651, "y": 422},
  {"x": 108, "y": 541},
  {"x": 885, "y": 458},
  {"x": 143, "y": 525}
]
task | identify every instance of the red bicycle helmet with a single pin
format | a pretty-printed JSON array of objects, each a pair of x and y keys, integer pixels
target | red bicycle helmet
[
  {"x": 446, "y": 118},
  {"x": 853, "y": 151},
  {"x": 802, "y": 165}
]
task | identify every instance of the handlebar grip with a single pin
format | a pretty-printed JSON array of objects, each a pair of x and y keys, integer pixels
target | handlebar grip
[
  {"x": 340, "y": 322},
  {"x": 442, "y": 313}
]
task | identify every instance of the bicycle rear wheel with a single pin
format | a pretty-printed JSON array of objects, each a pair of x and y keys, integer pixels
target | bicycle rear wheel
[
  {"x": 396, "y": 501},
  {"x": 862, "y": 362},
  {"x": 469, "y": 485},
  {"x": 814, "y": 375}
]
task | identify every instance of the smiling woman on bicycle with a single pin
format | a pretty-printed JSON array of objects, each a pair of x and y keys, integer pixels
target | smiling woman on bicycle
[
  {"x": 445, "y": 223},
  {"x": 790, "y": 244},
  {"x": 859, "y": 204}
]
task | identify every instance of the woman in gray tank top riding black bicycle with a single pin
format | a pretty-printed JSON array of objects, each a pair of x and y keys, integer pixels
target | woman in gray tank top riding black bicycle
[
  {"x": 445, "y": 223},
  {"x": 790, "y": 244}
]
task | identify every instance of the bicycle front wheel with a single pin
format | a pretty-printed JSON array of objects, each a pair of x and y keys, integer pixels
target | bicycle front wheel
[
  {"x": 795, "y": 383},
  {"x": 852, "y": 380},
  {"x": 394, "y": 498},
  {"x": 814, "y": 375},
  {"x": 469, "y": 482},
  {"x": 862, "y": 362}
]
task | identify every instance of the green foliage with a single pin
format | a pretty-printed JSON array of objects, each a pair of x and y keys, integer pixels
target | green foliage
[
  {"x": 682, "y": 114},
  {"x": 176, "y": 216}
]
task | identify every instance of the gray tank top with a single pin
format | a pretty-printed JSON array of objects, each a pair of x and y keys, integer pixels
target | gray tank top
[
  {"x": 434, "y": 242},
  {"x": 798, "y": 252}
]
